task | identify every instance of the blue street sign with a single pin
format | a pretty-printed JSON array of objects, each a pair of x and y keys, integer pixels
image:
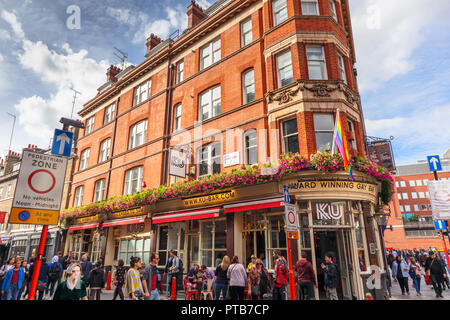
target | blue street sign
[
  {"x": 439, "y": 225},
  {"x": 62, "y": 143},
  {"x": 286, "y": 195},
  {"x": 435, "y": 163}
]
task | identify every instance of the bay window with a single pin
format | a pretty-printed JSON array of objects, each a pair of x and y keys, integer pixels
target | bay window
[
  {"x": 317, "y": 67},
  {"x": 284, "y": 68},
  {"x": 290, "y": 136}
]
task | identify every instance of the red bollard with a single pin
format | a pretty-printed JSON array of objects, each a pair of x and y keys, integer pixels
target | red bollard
[
  {"x": 108, "y": 283},
  {"x": 173, "y": 296}
]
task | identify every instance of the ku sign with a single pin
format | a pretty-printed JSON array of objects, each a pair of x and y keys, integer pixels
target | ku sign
[{"x": 37, "y": 199}]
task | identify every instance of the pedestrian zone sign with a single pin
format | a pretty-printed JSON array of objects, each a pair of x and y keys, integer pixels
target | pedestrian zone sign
[
  {"x": 37, "y": 199},
  {"x": 291, "y": 217}
]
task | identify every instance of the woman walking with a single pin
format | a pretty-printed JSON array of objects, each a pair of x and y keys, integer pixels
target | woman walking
[
  {"x": 13, "y": 282},
  {"x": 119, "y": 280},
  {"x": 73, "y": 288},
  {"x": 24, "y": 266},
  {"x": 133, "y": 284},
  {"x": 400, "y": 272},
  {"x": 415, "y": 273},
  {"x": 221, "y": 284},
  {"x": 3, "y": 271},
  {"x": 238, "y": 279},
  {"x": 264, "y": 279}
]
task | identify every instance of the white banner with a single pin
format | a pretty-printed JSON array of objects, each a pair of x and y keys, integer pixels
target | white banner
[
  {"x": 291, "y": 217},
  {"x": 177, "y": 163},
  {"x": 440, "y": 198},
  {"x": 231, "y": 159}
]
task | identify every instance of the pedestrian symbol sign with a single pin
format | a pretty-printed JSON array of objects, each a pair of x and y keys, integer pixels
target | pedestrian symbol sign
[
  {"x": 435, "y": 163},
  {"x": 439, "y": 225},
  {"x": 62, "y": 143}
]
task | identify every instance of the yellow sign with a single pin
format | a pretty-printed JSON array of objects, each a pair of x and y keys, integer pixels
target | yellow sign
[
  {"x": 33, "y": 216},
  {"x": 86, "y": 220},
  {"x": 210, "y": 198},
  {"x": 331, "y": 185},
  {"x": 127, "y": 213}
]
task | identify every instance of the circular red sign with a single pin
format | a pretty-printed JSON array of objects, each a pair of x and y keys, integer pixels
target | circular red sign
[
  {"x": 291, "y": 213},
  {"x": 37, "y": 171}
]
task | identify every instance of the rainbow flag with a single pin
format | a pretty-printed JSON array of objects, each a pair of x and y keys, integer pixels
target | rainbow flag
[{"x": 341, "y": 141}]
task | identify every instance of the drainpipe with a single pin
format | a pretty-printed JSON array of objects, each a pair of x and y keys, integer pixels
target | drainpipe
[
  {"x": 167, "y": 130},
  {"x": 113, "y": 143}
]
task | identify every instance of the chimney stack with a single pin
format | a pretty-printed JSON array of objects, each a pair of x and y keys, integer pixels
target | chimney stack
[
  {"x": 152, "y": 42},
  {"x": 195, "y": 14},
  {"x": 112, "y": 72}
]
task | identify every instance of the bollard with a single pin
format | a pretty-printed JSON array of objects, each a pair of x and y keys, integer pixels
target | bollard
[
  {"x": 173, "y": 296},
  {"x": 108, "y": 283},
  {"x": 369, "y": 296}
]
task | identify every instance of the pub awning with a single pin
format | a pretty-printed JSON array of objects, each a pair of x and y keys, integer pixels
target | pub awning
[
  {"x": 123, "y": 222},
  {"x": 186, "y": 215},
  {"x": 84, "y": 226},
  {"x": 254, "y": 205}
]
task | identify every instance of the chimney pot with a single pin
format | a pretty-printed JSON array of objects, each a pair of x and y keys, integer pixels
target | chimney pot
[
  {"x": 195, "y": 14},
  {"x": 112, "y": 72},
  {"x": 152, "y": 42}
]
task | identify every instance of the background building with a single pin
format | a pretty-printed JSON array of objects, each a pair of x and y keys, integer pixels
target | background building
[{"x": 411, "y": 215}]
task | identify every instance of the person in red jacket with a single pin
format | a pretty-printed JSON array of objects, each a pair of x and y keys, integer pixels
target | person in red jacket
[
  {"x": 305, "y": 278},
  {"x": 280, "y": 276}
]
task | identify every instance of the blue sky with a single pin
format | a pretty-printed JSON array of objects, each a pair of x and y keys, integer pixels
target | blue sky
[{"x": 402, "y": 53}]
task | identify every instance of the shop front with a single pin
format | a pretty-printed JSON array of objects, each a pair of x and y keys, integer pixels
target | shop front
[{"x": 336, "y": 216}]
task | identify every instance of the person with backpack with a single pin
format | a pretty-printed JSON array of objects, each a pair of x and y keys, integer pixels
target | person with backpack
[
  {"x": 133, "y": 284},
  {"x": 280, "y": 276},
  {"x": 96, "y": 281},
  {"x": 119, "y": 280},
  {"x": 54, "y": 275},
  {"x": 435, "y": 270},
  {"x": 172, "y": 269},
  {"x": 415, "y": 274},
  {"x": 331, "y": 277}
]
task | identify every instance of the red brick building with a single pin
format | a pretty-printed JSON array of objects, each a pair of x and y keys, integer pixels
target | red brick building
[{"x": 245, "y": 83}]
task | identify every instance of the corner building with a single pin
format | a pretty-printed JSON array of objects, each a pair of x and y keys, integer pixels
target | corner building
[{"x": 247, "y": 82}]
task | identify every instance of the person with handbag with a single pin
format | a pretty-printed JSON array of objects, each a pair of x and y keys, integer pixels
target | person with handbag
[
  {"x": 13, "y": 281},
  {"x": 400, "y": 271},
  {"x": 238, "y": 279},
  {"x": 221, "y": 283},
  {"x": 415, "y": 274},
  {"x": 258, "y": 280},
  {"x": 434, "y": 270},
  {"x": 119, "y": 280},
  {"x": 253, "y": 282},
  {"x": 133, "y": 284}
]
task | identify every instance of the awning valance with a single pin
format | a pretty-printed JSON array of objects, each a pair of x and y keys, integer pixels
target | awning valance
[
  {"x": 254, "y": 205},
  {"x": 123, "y": 222},
  {"x": 84, "y": 226},
  {"x": 186, "y": 215}
]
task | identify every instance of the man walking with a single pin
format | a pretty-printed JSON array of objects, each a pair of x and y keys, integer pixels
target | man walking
[
  {"x": 331, "y": 277},
  {"x": 280, "y": 276},
  {"x": 435, "y": 270},
  {"x": 306, "y": 279},
  {"x": 54, "y": 275},
  {"x": 172, "y": 270},
  {"x": 151, "y": 279},
  {"x": 86, "y": 267}
]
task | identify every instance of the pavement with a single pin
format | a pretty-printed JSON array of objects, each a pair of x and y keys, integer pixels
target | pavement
[{"x": 427, "y": 292}]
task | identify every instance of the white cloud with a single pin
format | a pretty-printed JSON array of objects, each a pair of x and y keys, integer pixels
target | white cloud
[
  {"x": 386, "y": 35},
  {"x": 15, "y": 25},
  {"x": 4, "y": 35}
]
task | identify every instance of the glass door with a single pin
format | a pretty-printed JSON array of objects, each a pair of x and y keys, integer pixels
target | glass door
[{"x": 194, "y": 250}]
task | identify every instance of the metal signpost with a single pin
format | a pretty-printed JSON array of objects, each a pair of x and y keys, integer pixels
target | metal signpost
[
  {"x": 37, "y": 198},
  {"x": 291, "y": 233}
]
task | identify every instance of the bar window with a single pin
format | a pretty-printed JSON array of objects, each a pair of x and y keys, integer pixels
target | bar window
[
  {"x": 109, "y": 114},
  {"x": 99, "y": 190},
  {"x": 342, "y": 68},
  {"x": 284, "y": 68},
  {"x": 139, "y": 247},
  {"x": 89, "y": 125},
  {"x": 248, "y": 86},
  {"x": 209, "y": 160},
  {"x": 317, "y": 67},
  {"x": 333, "y": 9},
  {"x": 138, "y": 134},
  {"x": 210, "y": 54},
  {"x": 133, "y": 180},
  {"x": 213, "y": 242},
  {"x": 351, "y": 127},
  {"x": 78, "y": 199},
  {"x": 324, "y": 130},
  {"x": 290, "y": 136},
  {"x": 209, "y": 103},
  {"x": 277, "y": 238},
  {"x": 246, "y": 32},
  {"x": 142, "y": 92},
  {"x": 177, "y": 117},
  {"x": 251, "y": 147},
  {"x": 310, "y": 7},
  {"x": 180, "y": 71},
  {"x": 105, "y": 147},
  {"x": 279, "y": 8},
  {"x": 171, "y": 237},
  {"x": 84, "y": 159}
]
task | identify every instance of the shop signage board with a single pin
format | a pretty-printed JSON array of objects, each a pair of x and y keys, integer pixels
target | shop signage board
[
  {"x": 177, "y": 163},
  {"x": 210, "y": 199},
  {"x": 231, "y": 159},
  {"x": 291, "y": 217},
  {"x": 439, "y": 191},
  {"x": 37, "y": 198},
  {"x": 332, "y": 185}
]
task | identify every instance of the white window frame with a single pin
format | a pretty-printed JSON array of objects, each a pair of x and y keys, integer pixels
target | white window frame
[
  {"x": 286, "y": 137},
  {"x": 407, "y": 208},
  {"x": 396, "y": 184},
  {"x": 399, "y": 196},
  {"x": 105, "y": 148},
  {"x": 351, "y": 125},
  {"x": 1, "y": 192},
  {"x": 78, "y": 198},
  {"x": 211, "y": 51},
  {"x": 246, "y": 32},
  {"x": 142, "y": 92},
  {"x": 329, "y": 131},
  {"x": 414, "y": 195},
  {"x": 89, "y": 125},
  {"x": 177, "y": 117},
  {"x": 109, "y": 113},
  {"x": 99, "y": 190},
  {"x": 285, "y": 68},
  {"x": 180, "y": 71},
  {"x": 209, "y": 160},
  {"x": 402, "y": 183},
  {"x": 250, "y": 147},
  {"x": 402, "y": 209},
  {"x": 419, "y": 183},
  {"x": 134, "y": 134},
  {"x": 131, "y": 175},
  {"x": 8, "y": 191},
  {"x": 341, "y": 63},
  {"x": 405, "y": 196},
  {"x": 306, "y": 3},
  {"x": 321, "y": 62},
  {"x": 333, "y": 10},
  {"x": 248, "y": 88},
  {"x": 84, "y": 158},
  {"x": 412, "y": 183},
  {"x": 210, "y": 103},
  {"x": 280, "y": 14},
  {"x": 416, "y": 208},
  {"x": 422, "y": 195}
]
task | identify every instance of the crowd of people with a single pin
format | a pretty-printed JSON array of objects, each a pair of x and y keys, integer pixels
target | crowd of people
[{"x": 419, "y": 264}]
